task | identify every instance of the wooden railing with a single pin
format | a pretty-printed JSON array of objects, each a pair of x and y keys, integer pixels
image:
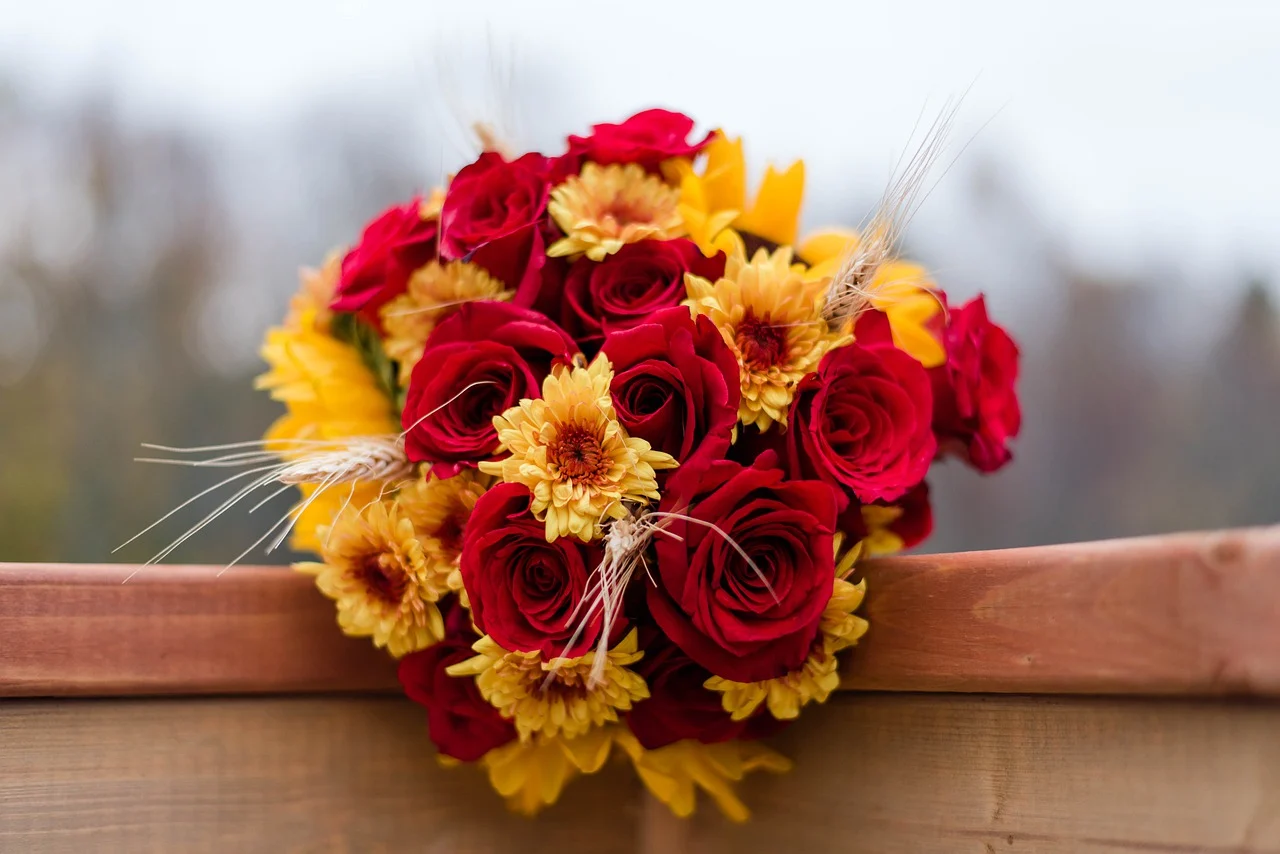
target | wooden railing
[{"x": 267, "y": 729}]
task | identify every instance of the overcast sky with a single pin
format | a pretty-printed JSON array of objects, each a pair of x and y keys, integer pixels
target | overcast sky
[{"x": 1139, "y": 127}]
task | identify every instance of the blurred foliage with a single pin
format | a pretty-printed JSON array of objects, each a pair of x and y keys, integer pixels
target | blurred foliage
[{"x": 140, "y": 265}]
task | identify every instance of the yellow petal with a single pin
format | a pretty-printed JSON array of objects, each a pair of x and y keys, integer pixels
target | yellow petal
[{"x": 775, "y": 214}]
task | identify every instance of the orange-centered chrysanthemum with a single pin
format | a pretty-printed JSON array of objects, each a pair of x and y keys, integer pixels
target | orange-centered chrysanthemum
[
  {"x": 771, "y": 318},
  {"x": 819, "y": 675},
  {"x": 568, "y": 705},
  {"x": 607, "y": 207},
  {"x": 434, "y": 291},
  {"x": 376, "y": 571},
  {"x": 570, "y": 451}
]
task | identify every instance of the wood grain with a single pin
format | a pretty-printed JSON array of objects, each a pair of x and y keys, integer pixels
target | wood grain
[
  {"x": 77, "y": 630},
  {"x": 1191, "y": 614},
  {"x": 875, "y": 773},
  {"x": 317, "y": 774},
  {"x": 945, "y": 774}
]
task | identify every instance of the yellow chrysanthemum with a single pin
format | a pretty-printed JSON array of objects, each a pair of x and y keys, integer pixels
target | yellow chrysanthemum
[
  {"x": 569, "y": 706},
  {"x": 570, "y": 451},
  {"x": 531, "y": 774},
  {"x": 901, "y": 289},
  {"x": 607, "y": 207},
  {"x": 771, "y": 317},
  {"x": 715, "y": 202},
  {"x": 439, "y": 509},
  {"x": 819, "y": 676},
  {"x": 880, "y": 540},
  {"x": 375, "y": 570},
  {"x": 315, "y": 292},
  {"x": 434, "y": 292},
  {"x": 673, "y": 774}
]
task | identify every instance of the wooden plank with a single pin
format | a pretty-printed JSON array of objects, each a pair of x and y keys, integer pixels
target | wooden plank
[
  {"x": 1194, "y": 614},
  {"x": 940, "y": 774},
  {"x": 1191, "y": 614},
  {"x": 77, "y": 630},
  {"x": 317, "y": 774}
]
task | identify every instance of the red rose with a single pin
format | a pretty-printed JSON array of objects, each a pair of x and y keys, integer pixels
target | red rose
[
  {"x": 976, "y": 411},
  {"x": 675, "y": 384},
  {"x": 522, "y": 588},
  {"x": 479, "y": 362},
  {"x": 460, "y": 721},
  {"x": 863, "y": 421},
  {"x": 679, "y": 707},
  {"x": 647, "y": 138},
  {"x": 710, "y": 601},
  {"x": 493, "y": 213},
  {"x": 378, "y": 268},
  {"x": 627, "y": 286},
  {"x": 910, "y": 517}
]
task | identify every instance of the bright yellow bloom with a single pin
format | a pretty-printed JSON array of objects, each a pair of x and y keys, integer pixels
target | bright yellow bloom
[
  {"x": 531, "y": 774},
  {"x": 328, "y": 393},
  {"x": 570, "y": 451},
  {"x": 819, "y": 676},
  {"x": 434, "y": 292},
  {"x": 375, "y": 570},
  {"x": 674, "y": 773},
  {"x": 315, "y": 292},
  {"x": 880, "y": 540},
  {"x": 568, "y": 706},
  {"x": 716, "y": 200},
  {"x": 771, "y": 317},
  {"x": 607, "y": 207},
  {"x": 439, "y": 509},
  {"x": 902, "y": 290}
]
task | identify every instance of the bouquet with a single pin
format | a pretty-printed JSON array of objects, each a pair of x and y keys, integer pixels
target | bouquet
[{"x": 593, "y": 443}]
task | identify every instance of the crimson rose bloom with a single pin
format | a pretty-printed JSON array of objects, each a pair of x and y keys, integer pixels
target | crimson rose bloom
[
  {"x": 522, "y": 588},
  {"x": 647, "y": 138},
  {"x": 710, "y": 601},
  {"x": 675, "y": 384},
  {"x": 460, "y": 721},
  {"x": 862, "y": 422},
  {"x": 627, "y": 286},
  {"x": 391, "y": 247},
  {"x": 678, "y": 707},
  {"x": 976, "y": 411},
  {"x": 477, "y": 364},
  {"x": 493, "y": 213}
]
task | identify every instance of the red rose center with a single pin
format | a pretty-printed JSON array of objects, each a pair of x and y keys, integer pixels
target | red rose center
[
  {"x": 761, "y": 344},
  {"x": 383, "y": 576},
  {"x": 578, "y": 456}
]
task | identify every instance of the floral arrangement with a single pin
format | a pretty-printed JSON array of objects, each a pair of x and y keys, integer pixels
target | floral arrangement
[{"x": 593, "y": 445}]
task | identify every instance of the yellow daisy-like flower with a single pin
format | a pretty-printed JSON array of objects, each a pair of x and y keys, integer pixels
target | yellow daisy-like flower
[
  {"x": 434, "y": 292},
  {"x": 673, "y": 774},
  {"x": 375, "y": 570},
  {"x": 570, "y": 451},
  {"x": 439, "y": 509},
  {"x": 819, "y": 676},
  {"x": 607, "y": 207},
  {"x": 569, "y": 706},
  {"x": 328, "y": 393},
  {"x": 770, "y": 315},
  {"x": 531, "y": 774},
  {"x": 715, "y": 202},
  {"x": 901, "y": 289}
]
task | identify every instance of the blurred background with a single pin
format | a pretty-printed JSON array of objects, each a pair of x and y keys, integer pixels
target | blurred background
[{"x": 166, "y": 168}]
